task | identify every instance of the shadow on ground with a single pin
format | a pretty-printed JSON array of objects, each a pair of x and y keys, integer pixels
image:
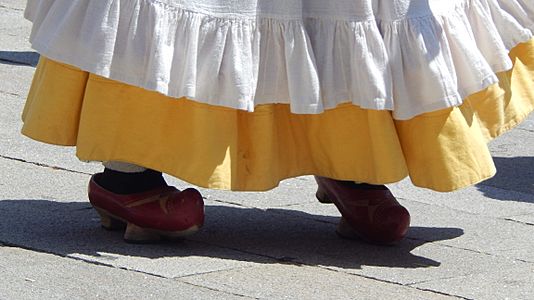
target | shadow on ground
[
  {"x": 24, "y": 58},
  {"x": 242, "y": 234},
  {"x": 513, "y": 174}
]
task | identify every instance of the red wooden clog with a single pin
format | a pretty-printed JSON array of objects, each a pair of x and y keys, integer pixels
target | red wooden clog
[
  {"x": 164, "y": 212},
  {"x": 373, "y": 215}
]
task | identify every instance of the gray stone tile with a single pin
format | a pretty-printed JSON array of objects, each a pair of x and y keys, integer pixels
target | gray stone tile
[
  {"x": 302, "y": 282},
  {"x": 513, "y": 282},
  {"x": 528, "y": 124},
  {"x": 16, "y": 146},
  {"x": 514, "y": 158},
  {"x": 47, "y": 210},
  {"x": 14, "y": 4},
  {"x": 15, "y": 81},
  {"x": 450, "y": 263},
  {"x": 524, "y": 218},
  {"x": 30, "y": 182},
  {"x": 485, "y": 235},
  {"x": 15, "y": 37},
  {"x": 481, "y": 200},
  {"x": 515, "y": 143},
  {"x": 441, "y": 243},
  {"x": 11, "y": 18},
  {"x": 31, "y": 275},
  {"x": 305, "y": 236},
  {"x": 290, "y": 192},
  {"x": 15, "y": 31}
]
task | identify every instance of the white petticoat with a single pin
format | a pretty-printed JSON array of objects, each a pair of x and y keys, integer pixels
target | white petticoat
[{"x": 410, "y": 57}]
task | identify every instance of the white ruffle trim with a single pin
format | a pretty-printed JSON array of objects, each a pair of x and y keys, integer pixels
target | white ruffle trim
[{"x": 410, "y": 65}]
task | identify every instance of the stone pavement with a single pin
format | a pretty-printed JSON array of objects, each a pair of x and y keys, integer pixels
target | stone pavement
[{"x": 477, "y": 243}]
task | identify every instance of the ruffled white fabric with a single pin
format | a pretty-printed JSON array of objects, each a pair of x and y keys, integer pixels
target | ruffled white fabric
[{"x": 408, "y": 56}]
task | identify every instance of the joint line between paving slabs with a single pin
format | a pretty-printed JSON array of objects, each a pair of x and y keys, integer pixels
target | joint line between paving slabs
[
  {"x": 519, "y": 222},
  {"x": 43, "y": 165},
  {"x": 472, "y": 213},
  {"x": 96, "y": 263},
  {"x": 11, "y": 8},
  {"x": 274, "y": 259},
  {"x": 12, "y": 245},
  {"x": 397, "y": 283}
]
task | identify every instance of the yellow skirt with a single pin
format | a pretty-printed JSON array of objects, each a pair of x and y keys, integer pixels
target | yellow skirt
[{"x": 223, "y": 148}]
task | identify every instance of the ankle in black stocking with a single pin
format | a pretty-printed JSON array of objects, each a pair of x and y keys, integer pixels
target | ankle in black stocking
[{"x": 129, "y": 183}]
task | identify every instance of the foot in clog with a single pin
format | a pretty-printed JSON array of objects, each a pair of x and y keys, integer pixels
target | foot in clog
[
  {"x": 369, "y": 212},
  {"x": 162, "y": 212}
]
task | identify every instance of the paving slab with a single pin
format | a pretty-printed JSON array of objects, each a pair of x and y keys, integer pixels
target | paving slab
[
  {"x": 15, "y": 48},
  {"x": 528, "y": 124},
  {"x": 302, "y": 282},
  {"x": 290, "y": 192},
  {"x": 15, "y": 146},
  {"x": 527, "y": 219},
  {"x": 496, "y": 237},
  {"x": 234, "y": 237},
  {"x": 481, "y": 200},
  {"x": 424, "y": 255},
  {"x": 56, "y": 217},
  {"x": 513, "y": 282},
  {"x": 10, "y": 17},
  {"x": 473, "y": 232},
  {"x": 475, "y": 243},
  {"x": 15, "y": 80},
  {"x": 13, "y": 4},
  {"x": 14, "y": 42},
  {"x": 31, "y": 275},
  {"x": 26, "y": 181},
  {"x": 514, "y": 157}
]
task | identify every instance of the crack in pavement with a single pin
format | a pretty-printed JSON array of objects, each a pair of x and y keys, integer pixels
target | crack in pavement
[
  {"x": 11, "y": 8},
  {"x": 442, "y": 278},
  {"x": 274, "y": 259},
  {"x": 216, "y": 290},
  {"x": 11, "y": 94},
  {"x": 211, "y": 272},
  {"x": 43, "y": 165}
]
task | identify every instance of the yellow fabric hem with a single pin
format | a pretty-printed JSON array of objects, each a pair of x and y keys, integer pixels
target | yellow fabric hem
[{"x": 222, "y": 148}]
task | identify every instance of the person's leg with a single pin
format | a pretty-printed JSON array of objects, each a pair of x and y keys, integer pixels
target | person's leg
[
  {"x": 125, "y": 178},
  {"x": 369, "y": 212},
  {"x": 131, "y": 196}
]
